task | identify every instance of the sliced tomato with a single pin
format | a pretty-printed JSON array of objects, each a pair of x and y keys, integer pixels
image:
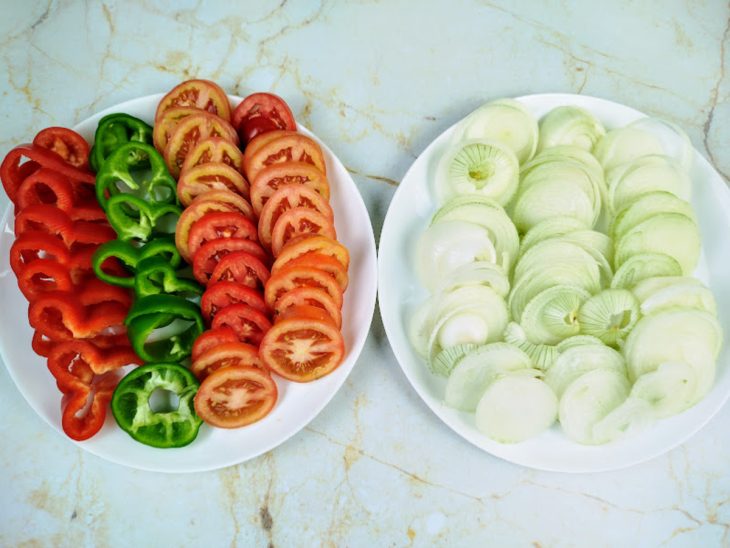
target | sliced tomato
[
  {"x": 214, "y": 149},
  {"x": 241, "y": 267},
  {"x": 235, "y": 396},
  {"x": 210, "y": 176},
  {"x": 207, "y": 202},
  {"x": 321, "y": 244},
  {"x": 290, "y": 147},
  {"x": 302, "y": 348},
  {"x": 259, "y": 111},
  {"x": 277, "y": 176},
  {"x": 259, "y": 141},
  {"x": 224, "y": 293},
  {"x": 210, "y": 254},
  {"x": 200, "y": 94},
  {"x": 309, "y": 296},
  {"x": 225, "y": 355},
  {"x": 189, "y": 132},
  {"x": 220, "y": 224},
  {"x": 299, "y": 221},
  {"x": 68, "y": 144},
  {"x": 166, "y": 124},
  {"x": 211, "y": 339},
  {"x": 292, "y": 277},
  {"x": 320, "y": 261},
  {"x": 249, "y": 324},
  {"x": 288, "y": 197}
]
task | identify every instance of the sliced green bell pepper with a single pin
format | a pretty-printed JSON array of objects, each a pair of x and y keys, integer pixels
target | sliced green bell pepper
[
  {"x": 113, "y": 131},
  {"x": 134, "y": 218},
  {"x": 155, "y": 275},
  {"x": 159, "y": 428},
  {"x": 138, "y": 169},
  {"x": 160, "y": 311}
]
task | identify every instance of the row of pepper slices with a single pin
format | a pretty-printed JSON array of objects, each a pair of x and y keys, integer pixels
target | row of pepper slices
[{"x": 125, "y": 275}]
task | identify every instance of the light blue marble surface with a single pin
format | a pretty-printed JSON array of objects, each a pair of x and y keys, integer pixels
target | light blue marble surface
[{"x": 377, "y": 81}]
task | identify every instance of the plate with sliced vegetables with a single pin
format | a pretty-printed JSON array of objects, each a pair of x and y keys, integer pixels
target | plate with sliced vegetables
[
  {"x": 199, "y": 283},
  {"x": 551, "y": 281}
]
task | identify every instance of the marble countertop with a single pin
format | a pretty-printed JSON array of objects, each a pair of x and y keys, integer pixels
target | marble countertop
[{"x": 377, "y": 81}]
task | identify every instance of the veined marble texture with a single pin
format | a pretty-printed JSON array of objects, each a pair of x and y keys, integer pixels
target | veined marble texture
[{"x": 377, "y": 80}]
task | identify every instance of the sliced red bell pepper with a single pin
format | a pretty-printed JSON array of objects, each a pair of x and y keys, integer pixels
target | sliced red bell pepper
[
  {"x": 12, "y": 171},
  {"x": 43, "y": 218},
  {"x": 81, "y": 419},
  {"x": 42, "y": 275},
  {"x": 45, "y": 186},
  {"x": 36, "y": 245}
]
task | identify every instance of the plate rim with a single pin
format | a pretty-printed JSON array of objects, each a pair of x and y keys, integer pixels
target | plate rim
[
  {"x": 370, "y": 268},
  {"x": 400, "y": 353}
]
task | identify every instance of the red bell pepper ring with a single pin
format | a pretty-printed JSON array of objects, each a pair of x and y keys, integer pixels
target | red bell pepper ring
[
  {"x": 81, "y": 420},
  {"x": 10, "y": 169},
  {"x": 88, "y": 210},
  {"x": 43, "y": 346},
  {"x": 42, "y": 275},
  {"x": 45, "y": 218},
  {"x": 36, "y": 245},
  {"x": 59, "y": 316},
  {"x": 45, "y": 186},
  {"x": 87, "y": 376},
  {"x": 98, "y": 292}
]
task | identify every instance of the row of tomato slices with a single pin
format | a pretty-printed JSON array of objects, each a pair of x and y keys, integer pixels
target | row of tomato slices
[
  {"x": 78, "y": 319},
  {"x": 259, "y": 232}
]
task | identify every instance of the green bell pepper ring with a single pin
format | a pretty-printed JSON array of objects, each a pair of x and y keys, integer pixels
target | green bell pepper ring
[
  {"x": 168, "y": 428},
  {"x": 113, "y": 131},
  {"x": 136, "y": 168},
  {"x": 124, "y": 252},
  {"x": 134, "y": 218},
  {"x": 163, "y": 248},
  {"x": 155, "y": 275},
  {"x": 160, "y": 311}
]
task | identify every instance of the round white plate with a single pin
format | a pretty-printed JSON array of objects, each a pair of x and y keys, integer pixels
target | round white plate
[
  {"x": 399, "y": 292},
  {"x": 214, "y": 448}
]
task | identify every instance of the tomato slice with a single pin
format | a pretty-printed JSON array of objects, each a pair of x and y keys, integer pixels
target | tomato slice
[
  {"x": 288, "y": 197},
  {"x": 210, "y": 176},
  {"x": 166, "y": 124},
  {"x": 225, "y": 355},
  {"x": 302, "y": 348},
  {"x": 200, "y": 94},
  {"x": 207, "y": 202},
  {"x": 189, "y": 132},
  {"x": 292, "y": 277},
  {"x": 235, "y": 396},
  {"x": 262, "y": 106},
  {"x": 299, "y": 221},
  {"x": 224, "y": 293},
  {"x": 290, "y": 147},
  {"x": 304, "y": 244},
  {"x": 241, "y": 267},
  {"x": 210, "y": 254},
  {"x": 320, "y": 261},
  {"x": 273, "y": 177},
  {"x": 214, "y": 149},
  {"x": 309, "y": 296},
  {"x": 249, "y": 324},
  {"x": 220, "y": 224},
  {"x": 251, "y": 128},
  {"x": 68, "y": 144},
  {"x": 211, "y": 339}
]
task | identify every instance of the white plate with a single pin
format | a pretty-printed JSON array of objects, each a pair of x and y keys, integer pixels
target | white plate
[
  {"x": 214, "y": 448},
  {"x": 399, "y": 292}
]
